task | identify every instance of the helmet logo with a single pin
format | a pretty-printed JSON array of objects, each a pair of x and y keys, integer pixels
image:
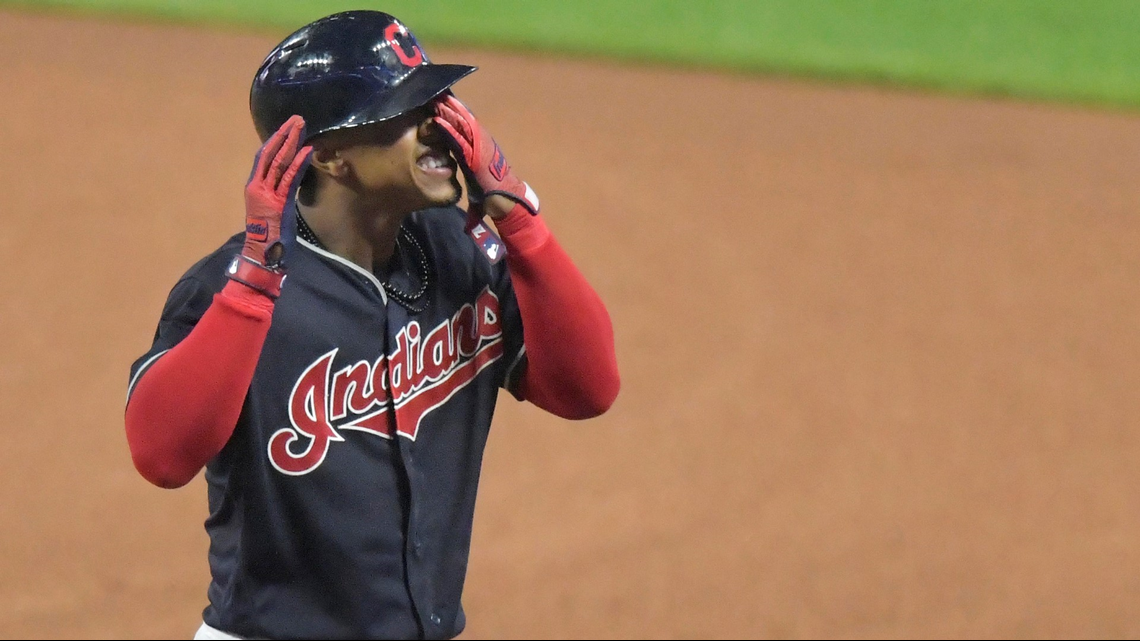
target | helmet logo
[{"x": 394, "y": 31}]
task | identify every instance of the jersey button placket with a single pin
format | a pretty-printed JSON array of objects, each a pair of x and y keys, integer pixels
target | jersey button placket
[{"x": 418, "y": 577}]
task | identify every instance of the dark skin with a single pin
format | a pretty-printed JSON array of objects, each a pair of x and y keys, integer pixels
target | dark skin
[{"x": 370, "y": 178}]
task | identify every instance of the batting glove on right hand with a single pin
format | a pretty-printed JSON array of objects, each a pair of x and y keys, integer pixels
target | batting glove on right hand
[
  {"x": 481, "y": 159},
  {"x": 271, "y": 210}
]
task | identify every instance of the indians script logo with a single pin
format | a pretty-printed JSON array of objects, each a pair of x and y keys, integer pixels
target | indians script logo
[{"x": 424, "y": 370}]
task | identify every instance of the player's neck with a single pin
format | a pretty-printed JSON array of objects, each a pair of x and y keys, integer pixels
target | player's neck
[{"x": 366, "y": 238}]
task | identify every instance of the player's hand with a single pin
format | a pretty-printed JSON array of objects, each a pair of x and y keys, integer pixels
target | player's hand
[
  {"x": 270, "y": 209},
  {"x": 484, "y": 166},
  {"x": 271, "y": 192}
]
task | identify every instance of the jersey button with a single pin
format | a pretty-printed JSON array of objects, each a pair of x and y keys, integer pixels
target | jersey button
[
  {"x": 417, "y": 547},
  {"x": 435, "y": 619}
]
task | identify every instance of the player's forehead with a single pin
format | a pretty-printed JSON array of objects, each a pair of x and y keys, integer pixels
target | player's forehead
[{"x": 382, "y": 133}]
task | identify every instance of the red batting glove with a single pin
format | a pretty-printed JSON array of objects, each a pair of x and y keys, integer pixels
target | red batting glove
[
  {"x": 483, "y": 163},
  {"x": 270, "y": 209}
]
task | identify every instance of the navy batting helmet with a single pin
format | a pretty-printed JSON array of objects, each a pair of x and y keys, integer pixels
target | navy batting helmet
[{"x": 345, "y": 70}]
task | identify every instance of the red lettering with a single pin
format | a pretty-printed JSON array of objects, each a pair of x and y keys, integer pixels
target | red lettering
[
  {"x": 465, "y": 331},
  {"x": 422, "y": 373},
  {"x": 375, "y": 423},
  {"x": 380, "y": 378},
  {"x": 352, "y": 391},
  {"x": 438, "y": 354},
  {"x": 412, "y": 366},
  {"x": 398, "y": 35},
  {"x": 488, "y": 314},
  {"x": 411, "y": 413},
  {"x": 308, "y": 412}
]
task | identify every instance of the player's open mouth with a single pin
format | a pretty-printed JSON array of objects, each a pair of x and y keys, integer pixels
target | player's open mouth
[{"x": 436, "y": 163}]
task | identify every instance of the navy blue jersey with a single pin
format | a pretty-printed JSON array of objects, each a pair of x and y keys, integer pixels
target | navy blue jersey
[{"x": 342, "y": 505}]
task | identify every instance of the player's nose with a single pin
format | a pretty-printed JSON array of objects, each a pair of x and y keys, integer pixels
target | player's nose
[{"x": 430, "y": 133}]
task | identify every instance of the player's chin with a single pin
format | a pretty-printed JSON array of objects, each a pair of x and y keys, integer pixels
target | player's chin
[{"x": 442, "y": 194}]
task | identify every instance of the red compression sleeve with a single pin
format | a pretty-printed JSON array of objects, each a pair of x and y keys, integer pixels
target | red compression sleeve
[
  {"x": 571, "y": 365},
  {"x": 185, "y": 407}
]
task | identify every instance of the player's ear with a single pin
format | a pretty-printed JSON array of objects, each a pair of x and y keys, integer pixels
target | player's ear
[{"x": 329, "y": 161}]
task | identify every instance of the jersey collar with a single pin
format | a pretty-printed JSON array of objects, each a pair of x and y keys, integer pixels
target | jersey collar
[{"x": 408, "y": 282}]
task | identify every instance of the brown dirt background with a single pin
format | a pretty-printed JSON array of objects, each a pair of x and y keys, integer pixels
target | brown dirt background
[{"x": 879, "y": 348}]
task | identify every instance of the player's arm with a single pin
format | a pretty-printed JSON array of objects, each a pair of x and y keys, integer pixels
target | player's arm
[
  {"x": 184, "y": 403},
  {"x": 571, "y": 368}
]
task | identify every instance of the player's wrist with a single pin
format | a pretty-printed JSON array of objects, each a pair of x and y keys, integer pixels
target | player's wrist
[
  {"x": 502, "y": 201},
  {"x": 521, "y": 231},
  {"x": 256, "y": 276},
  {"x": 498, "y": 206}
]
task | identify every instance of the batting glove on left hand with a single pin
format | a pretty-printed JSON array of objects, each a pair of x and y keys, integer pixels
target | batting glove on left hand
[{"x": 484, "y": 166}]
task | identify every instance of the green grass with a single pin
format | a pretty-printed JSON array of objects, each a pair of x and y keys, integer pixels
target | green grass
[{"x": 1077, "y": 51}]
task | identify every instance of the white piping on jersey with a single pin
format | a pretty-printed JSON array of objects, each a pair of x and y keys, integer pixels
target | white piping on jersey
[
  {"x": 143, "y": 368},
  {"x": 384, "y": 296},
  {"x": 209, "y": 633},
  {"x": 513, "y": 365},
  {"x": 349, "y": 264}
]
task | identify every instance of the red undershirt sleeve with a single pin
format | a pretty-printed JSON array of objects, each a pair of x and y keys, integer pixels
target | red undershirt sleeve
[
  {"x": 571, "y": 368},
  {"x": 184, "y": 407}
]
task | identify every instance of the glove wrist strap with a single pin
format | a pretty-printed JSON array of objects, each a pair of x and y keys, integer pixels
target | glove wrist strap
[
  {"x": 528, "y": 200},
  {"x": 254, "y": 275}
]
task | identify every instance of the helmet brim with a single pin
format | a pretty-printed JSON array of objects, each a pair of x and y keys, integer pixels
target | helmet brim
[{"x": 421, "y": 86}]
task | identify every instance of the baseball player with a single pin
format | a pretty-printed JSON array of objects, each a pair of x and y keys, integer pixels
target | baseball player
[{"x": 335, "y": 367}]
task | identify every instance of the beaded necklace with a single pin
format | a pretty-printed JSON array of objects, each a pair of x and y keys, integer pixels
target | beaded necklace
[{"x": 405, "y": 242}]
